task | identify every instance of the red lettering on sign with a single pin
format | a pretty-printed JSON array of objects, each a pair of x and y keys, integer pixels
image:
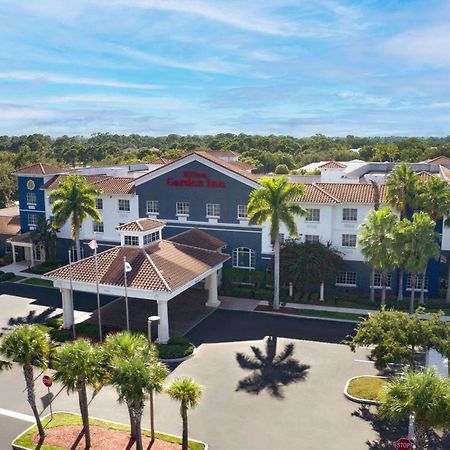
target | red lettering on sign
[{"x": 195, "y": 179}]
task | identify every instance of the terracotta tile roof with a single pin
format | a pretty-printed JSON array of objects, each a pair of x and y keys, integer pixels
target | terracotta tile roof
[
  {"x": 340, "y": 193},
  {"x": 425, "y": 176},
  {"x": 144, "y": 224},
  {"x": 160, "y": 161},
  {"x": 241, "y": 165},
  {"x": 332, "y": 165},
  {"x": 214, "y": 159},
  {"x": 195, "y": 237},
  {"x": 439, "y": 160},
  {"x": 222, "y": 153},
  {"x": 40, "y": 169},
  {"x": 445, "y": 173},
  {"x": 106, "y": 183},
  {"x": 162, "y": 266},
  {"x": 9, "y": 225}
]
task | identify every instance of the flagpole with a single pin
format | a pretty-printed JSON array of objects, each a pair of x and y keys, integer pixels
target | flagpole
[
  {"x": 98, "y": 294},
  {"x": 126, "y": 291},
  {"x": 74, "y": 335}
]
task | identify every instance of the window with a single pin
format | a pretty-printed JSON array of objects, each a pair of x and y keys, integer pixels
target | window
[
  {"x": 131, "y": 240},
  {"x": 152, "y": 237},
  {"x": 242, "y": 212},
  {"x": 312, "y": 238},
  {"x": 98, "y": 227},
  {"x": 99, "y": 203},
  {"x": 418, "y": 285},
  {"x": 313, "y": 215},
  {"x": 212, "y": 210},
  {"x": 346, "y": 279},
  {"x": 349, "y": 240},
  {"x": 31, "y": 198},
  {"x": 152, "y": 206},
  {"x": 377, "y": 280},
  {"x": 124, "y": 205},
  {"x": 182, "y": 208},
  {"x": 32, "y": 219},
  {"x": 349, "y": 214},
  {"x": 244, "y": 258}
]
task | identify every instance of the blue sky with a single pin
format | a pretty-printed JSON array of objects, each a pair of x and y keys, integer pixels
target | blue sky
[{"x": 295, "y": 67}]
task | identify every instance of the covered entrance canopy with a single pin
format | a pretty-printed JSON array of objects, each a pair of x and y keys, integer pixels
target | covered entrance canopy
[
  {"x": 159, "y": 272},
  {"x": 33, "y": 252}
]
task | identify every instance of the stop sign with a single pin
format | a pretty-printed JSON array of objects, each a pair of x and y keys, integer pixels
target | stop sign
[
  {"x": 48, "y": 381},
  {"x": 403, "y": 444}
]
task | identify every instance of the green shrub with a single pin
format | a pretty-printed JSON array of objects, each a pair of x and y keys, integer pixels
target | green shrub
[
  {"x": 55, "y": 323},
  {"x": 242, "y": 292},
  {"x": 7, "y": 276},
  {"x": 87, "y": 329},
  {"x": 47, "y": 266},
  {"x": 264, "y": 294},
  {"x": 60, "y": 334},
  {"x": 7, "y": 258},
  {"x": 178, "y": 340},
  {"x": 167, "y": 351},
  {"x": 282, "y": 169}
]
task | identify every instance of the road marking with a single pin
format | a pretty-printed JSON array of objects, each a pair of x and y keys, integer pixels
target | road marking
[
  {"x": 364, "y": 360},
  {"x": 17, "y": 415}
]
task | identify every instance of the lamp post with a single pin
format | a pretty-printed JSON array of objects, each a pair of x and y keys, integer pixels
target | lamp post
[{"x": 151, "y": 319}]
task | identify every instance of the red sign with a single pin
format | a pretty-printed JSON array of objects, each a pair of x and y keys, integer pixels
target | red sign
[
  {"x": 193, "y": 178},
  {"x": 47, "y": 381},
  {"x": 403, "y": 444}
]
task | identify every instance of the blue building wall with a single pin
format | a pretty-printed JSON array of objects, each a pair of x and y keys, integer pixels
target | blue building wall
[
  {"x": 164, "y": 189},
  {"x": 25, "y": 208}
]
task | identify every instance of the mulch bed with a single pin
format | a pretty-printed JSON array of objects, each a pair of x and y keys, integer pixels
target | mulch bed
[
  {"x": 283, "y": 309},
  {"x": 71, "y": 437}
]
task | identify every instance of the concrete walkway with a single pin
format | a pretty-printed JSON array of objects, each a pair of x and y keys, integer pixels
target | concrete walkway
[{"x": 17, "y": 269}]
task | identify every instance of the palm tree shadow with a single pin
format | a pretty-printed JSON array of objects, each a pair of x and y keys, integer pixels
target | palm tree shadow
[
  {"x": 270, "y": 371},
  {"x": 389, "y": 432}
]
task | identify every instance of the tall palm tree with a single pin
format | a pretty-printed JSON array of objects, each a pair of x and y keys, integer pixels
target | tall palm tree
[
  {"x": 28, "y": 346},
  {"x": 131, "y": 377},
  {"x": 425, "y": 395},
  {"x": 271, "y": 371},
  {"x": 403, "y": 189},
  {"x": 274, "y": 202},
  {"x": 158, "y": 373},
  {"x": 376, "y": 240},
  {"x": 45, "y": 234},
  {"x": 188, "y": 393},
  {"x": 416, "y": 240},
  {"x": 78, "y": 364},
  {"x": 74, "y": 199},
  {"x": 125, "y": 345},
  {"x": 435, "y": 201}
]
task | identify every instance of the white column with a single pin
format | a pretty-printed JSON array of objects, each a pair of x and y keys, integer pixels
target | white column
[
  {"x": 31, "y": 257},
  {"x": 163, "y": 327},
  {"x": 322, "y": 289},
  {"x": 68, "y": 313},
  {"x": 213, "y": 300},
  {"x": 13, "y": 252}
]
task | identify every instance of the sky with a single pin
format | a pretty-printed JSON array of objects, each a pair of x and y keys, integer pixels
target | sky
[{"x": 156, "y": 67}]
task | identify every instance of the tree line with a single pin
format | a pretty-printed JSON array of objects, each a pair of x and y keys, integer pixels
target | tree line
[{"x": 264, "y": 152}]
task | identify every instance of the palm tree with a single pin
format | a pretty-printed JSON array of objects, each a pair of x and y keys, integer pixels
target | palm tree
[
  {"x": 435, "y": 201},
  {"x": 423, "y": 394},
  {"x": 78, "y": 364},
  {"x": 74, "y": 199},
  {"x": 188, "y": 393},
  {"x": 403, "y": 189},
  {"x": 29, "y": 346},
  {"x": 416, "y": 240},
  {"x": 274, "y": 202},
  {"x": 131, "y": 377},
  {"x": 45, "y": 234},
  {"x": 158, "y": 373},
  {"x": 270, "y": 371},
  {"x": 122, "y": 346},
  {"x": 376, "y": 240}
]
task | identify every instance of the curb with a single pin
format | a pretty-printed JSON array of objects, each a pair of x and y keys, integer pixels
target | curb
[
  {"x": 362, "y": 401},
  {"x": 330, "y": 319},
  {"x": 19, "y": 447},
  {"x": 177, "y": 360}
]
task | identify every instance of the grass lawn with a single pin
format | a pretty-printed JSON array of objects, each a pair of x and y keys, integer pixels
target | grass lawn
[
  {"x": 61, "y": 419},
  {"x": 367, "y": 388},
  {"x": 38, "y": 282},
  {"x": 16, "y": 278},
  {"x": 329, "y": 314}
]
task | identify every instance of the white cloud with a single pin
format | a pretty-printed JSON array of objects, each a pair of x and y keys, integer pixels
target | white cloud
[
  {"x": 424, "y": 46},
  {"x": 214, "y": 65},
  {"x": 362, "y": 98},
  {"x": 46, "y": 77}
]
